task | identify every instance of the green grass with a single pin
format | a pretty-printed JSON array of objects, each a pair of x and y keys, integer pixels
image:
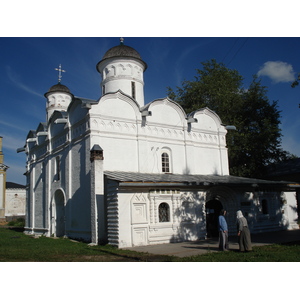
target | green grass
[{"x": 18, "y": 247}]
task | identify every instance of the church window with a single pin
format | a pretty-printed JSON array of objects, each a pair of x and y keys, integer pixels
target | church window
[
  {"x": 133, "y": 89},
  {"x": 164, "y": 212},
  {"x": 43, "y": 170},
  {"x": 103, "y": 90},
  {"x": 264, "y": 207},
  {"x": 165, "y": 162},
  {"x": 57, "y": 168}
]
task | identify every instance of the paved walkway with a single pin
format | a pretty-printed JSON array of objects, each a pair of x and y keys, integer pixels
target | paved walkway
[{"x": 211, "y": 245}]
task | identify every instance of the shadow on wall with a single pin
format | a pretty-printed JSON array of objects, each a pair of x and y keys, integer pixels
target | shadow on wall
[{"x": 191, "y": 218}]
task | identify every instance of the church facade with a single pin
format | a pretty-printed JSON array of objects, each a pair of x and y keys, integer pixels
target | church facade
[{"x": 119, "y": 171}]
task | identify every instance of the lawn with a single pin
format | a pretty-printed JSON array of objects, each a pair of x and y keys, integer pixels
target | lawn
[{"x": 18, "y": 247}]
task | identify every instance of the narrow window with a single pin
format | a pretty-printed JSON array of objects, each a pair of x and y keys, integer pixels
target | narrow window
[
  {"x": 165, "y": 162},
  {"x": 264, "y": 206},
  {"x": 164, "y": 212},
  {"x": 43, "y": 171},
  {"x": 103, "y": 90},
  {"x": 57, "y": 168},
  {"x": 133, "y": 89}
]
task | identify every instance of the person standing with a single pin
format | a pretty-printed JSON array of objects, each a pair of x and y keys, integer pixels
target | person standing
[
  {"x": 244, "y": 238},
  {"x": 223, "y": 231}
]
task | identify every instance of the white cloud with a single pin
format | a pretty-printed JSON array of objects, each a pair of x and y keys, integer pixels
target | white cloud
[
  {"x": 12, "y": 125},
  {"x": 14, "y": 78},
  {"x": 12, "y": 143},
  {"x": 278, "y": 71}
]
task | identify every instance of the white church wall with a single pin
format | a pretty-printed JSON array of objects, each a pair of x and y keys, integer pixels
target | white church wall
[
  {"x": 164, "y": 113},
  {"x": 117, "y": 106},
  {"x": 267, "y": 210},
  {"x": 120, "y": 153},
  {"x": 126, "y": 229},
  {"x": 206, "y": 161},
  {"x": 40, "y": 197},
  {"x": 153, "y": 140},
  {"x": 76, "y": 112},
  {"x": 118, "y": 74},
  {"x": 290, "y": 209},
  {"x": 114, "y": 126},
  {"x": 79, "y": 203},
  {"x": 139, "y": 221},
  {"x": 206, "y": 121}
]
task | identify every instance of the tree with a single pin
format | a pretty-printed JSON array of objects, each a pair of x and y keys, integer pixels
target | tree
[
  {"x": 257, "y": 140},
  {"x": 296, "y": 82}
]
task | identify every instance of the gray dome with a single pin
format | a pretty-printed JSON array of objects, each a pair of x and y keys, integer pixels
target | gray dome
[
  {"x": 58, "y": 88},
  {"x": 122, "y": 51}
]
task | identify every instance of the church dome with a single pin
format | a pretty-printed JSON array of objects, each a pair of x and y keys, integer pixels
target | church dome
[
  {"x": 122, "y": 51},
  {"x": 58, "y": 88}
]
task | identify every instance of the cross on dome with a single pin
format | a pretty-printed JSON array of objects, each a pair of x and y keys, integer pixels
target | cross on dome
[
  {"x": 59, "y": 69},
  {"x": 121, "y": 41}
]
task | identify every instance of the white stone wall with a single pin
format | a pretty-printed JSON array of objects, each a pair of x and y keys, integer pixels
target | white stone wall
[
  {"x": 15, "y": 202},
  {"x": 131, "y": 143},
  {"x": 118, "y": 74},
  {"x": 133, "y": 217},
  {"x": 290, "y": 209},
  {"x": 134, "y": 213}
]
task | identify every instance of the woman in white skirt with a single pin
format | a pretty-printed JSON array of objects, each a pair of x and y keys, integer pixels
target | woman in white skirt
[{"x": 244, "y": 238}]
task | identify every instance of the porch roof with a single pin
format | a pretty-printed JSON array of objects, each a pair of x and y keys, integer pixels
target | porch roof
[{"x": 150, "y": 179}]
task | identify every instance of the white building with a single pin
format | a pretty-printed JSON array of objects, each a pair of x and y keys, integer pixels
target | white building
[
  {"x": 15, "y": 201},
  {"x": 120, "y": 171},
  {"x": 12, "y": 195},
  {"x": 3, "y": 169}
]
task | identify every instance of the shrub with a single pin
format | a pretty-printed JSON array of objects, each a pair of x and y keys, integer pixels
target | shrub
[{"x": 20, "y": 222}]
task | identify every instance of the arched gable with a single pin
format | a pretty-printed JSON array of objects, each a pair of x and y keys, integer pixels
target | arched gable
[
  {"x": 31, "y": 134},
  {"x": 207, "y": 120},
  {"x": 42, "y": 132},
  {"x": 42, "y": 127},
  {"x": 117, "y": 105},
  {"x": 165, "y": 111},
  {"x": 54, "y": 127},
  {"x": 78, "y": 110}
]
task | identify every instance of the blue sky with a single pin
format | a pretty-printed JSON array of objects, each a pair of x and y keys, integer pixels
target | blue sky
[{"x": 28, "y": 71}]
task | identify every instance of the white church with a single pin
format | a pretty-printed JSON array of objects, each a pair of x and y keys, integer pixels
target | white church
[{"x": 119, "y": 171}]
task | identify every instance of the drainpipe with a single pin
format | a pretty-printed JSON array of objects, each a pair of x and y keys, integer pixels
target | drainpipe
[{"x": 97, "y": 195}]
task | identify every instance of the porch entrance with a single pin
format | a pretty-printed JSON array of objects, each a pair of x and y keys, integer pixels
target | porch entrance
[{"x": 213, "y": 208}]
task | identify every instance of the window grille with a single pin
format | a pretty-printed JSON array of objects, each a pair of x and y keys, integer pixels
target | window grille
[{"x": 164, "y": 212}]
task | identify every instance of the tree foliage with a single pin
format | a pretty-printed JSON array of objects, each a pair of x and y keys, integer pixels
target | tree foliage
[
  {"x": 296, "y": 82},
  {"x": 257, "y": 140}
]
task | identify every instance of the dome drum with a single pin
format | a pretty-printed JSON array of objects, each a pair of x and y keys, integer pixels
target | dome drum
[
  {"x": 58, "y": 98},
  {"x": 122, "y": 69}
]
